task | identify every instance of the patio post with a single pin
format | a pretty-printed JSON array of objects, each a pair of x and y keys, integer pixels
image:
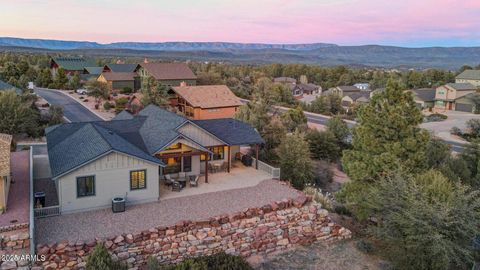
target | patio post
[
  {"x": 256, "y": 156},
  {"x": 206, "y": 167},
  {"x": 229, "y": 159}
]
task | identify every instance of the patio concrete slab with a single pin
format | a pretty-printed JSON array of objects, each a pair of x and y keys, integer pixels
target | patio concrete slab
[
  {"x": 239, "y": 177},
  {"x": 86, "y": 226}
]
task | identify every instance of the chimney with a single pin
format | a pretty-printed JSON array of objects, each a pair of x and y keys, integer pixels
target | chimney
[
  {"x": 145, "y": 60},
  {"x": 183, "y": 84}
]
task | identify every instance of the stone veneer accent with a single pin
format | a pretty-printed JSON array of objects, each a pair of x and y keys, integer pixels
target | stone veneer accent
[
  {"x": 277, "y": 226},
  {"x": 15, "y": 240}
]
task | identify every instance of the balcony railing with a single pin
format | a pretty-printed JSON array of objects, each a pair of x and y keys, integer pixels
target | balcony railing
[
  {"x": 47, "y": 211},
  {"x": 273, "y": 171}
]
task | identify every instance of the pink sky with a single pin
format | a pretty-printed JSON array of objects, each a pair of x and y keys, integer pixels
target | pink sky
[{"x": 346, "y": 22}]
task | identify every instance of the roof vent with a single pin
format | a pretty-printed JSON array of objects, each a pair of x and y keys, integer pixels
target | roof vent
[{"x": 110, "y": 132}]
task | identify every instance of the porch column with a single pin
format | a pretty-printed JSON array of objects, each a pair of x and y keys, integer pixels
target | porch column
[
  {"x": 256, "y": 156},
  {"x": 206, "y": 168},
  {"x": 229, "y": 159}
]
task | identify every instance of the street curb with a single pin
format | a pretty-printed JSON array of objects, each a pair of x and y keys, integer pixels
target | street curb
[{"x": 85, "y": 106}]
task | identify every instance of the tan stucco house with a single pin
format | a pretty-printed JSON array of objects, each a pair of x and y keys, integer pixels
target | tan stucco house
[
  {"x": 93, "y": 162},
  {"x": 469, "y": 76},
  {"x": 446, "y": 95},
  {"x": 5, "y": 174}
]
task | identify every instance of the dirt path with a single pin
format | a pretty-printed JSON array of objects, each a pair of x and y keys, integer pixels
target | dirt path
[{"x": 324, "y": 256}]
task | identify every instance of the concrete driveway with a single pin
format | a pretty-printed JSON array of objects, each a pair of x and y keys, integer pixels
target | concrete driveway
[{"x": 73, "y": 110}]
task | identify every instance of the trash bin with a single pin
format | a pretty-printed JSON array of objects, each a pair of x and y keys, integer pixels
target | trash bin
[
  {"x": 118, "y": 205},
  {"x": 39, "y": 199}
]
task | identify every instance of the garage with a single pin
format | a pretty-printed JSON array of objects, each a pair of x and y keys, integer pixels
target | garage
[{"x": 463, "y": 107}]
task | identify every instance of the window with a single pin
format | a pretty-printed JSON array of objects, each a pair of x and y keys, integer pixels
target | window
[
  {"x": 174, "y": 165},
  {"x": 218, "y": 152},
  {"x": 187, "y": 164},
  {"x": 86, "y": 186},
  {"x": 138, "y": 179},
  {"x": 204, "y": 157},
  {"x": 175, "y": 146}
]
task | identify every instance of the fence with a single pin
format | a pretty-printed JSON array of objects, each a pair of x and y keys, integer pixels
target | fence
[
  {"x": 274, "y": 172},
  {"x": 47, "y": 211}
]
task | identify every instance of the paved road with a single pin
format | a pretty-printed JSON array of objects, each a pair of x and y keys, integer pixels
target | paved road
[{"x": 72, "y": 110}]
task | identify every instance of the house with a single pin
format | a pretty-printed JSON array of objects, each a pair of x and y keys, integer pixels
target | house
[
  {"x": 468, "y": 103},
  {"x": 424, "y": 97},
  {"x": 170, "y": 74},
  {"x": 5, "y": 174},
  {"x": 353, "y": 98},
  {"x": 93, "y": 162},
  {"x": 120, "y": 67},
  {"x": 206, "y": 101},
  {"x": 71, "y": 65},
  {"x": 309, "y": 88},
  {"x": 446, "y": 95},
  {"x": 362, "y": 86},
  {"x": 284, "y": 80},
  {"x": 8, "y": 87},
  {"x": 118, "y": 80},
  {"x": 469, "y": 76},
  {"x": 342, "y": 90}
]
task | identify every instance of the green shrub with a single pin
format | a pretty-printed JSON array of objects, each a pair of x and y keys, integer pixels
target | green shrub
[
  {"x": 219, "y": 261},
  {"x": 456, "y": 131},
  {"x": 100, "y": 259},
  {"x": 126, "y": 90},
  {"x": 342, "y": 210},
  {"x": 436, "y": 117},
  {"x": 120, "y": 104},
  {"x": 364, "y": 246},
  {"x": 107, "y": 106}
]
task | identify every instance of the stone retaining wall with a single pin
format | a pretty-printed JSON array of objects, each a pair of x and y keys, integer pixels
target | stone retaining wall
[{"x": 273, "y": 227}]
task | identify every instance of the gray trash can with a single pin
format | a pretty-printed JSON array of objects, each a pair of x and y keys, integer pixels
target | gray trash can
[{"x": 118, "y": 205}]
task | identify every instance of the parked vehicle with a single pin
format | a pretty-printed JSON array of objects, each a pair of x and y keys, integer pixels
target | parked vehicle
[{"x": 82, "y": 91}]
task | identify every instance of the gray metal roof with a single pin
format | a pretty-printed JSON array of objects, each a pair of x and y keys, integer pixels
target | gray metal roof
[
  {"x": 94, "y": 70},
  {"x": 231, "y": 131},
  {"x": 122, "y": 67},
  {"x": 469, "y": 74},
  {"x": 6, "y": 87},
  {"x": 123, "y": 115},
  {"x": 462, "y": 86}
]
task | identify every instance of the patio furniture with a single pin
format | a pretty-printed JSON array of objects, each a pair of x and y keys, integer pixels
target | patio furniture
[
  {"x": 176, "y": 186},
  {"x": 225, "y": 166},
  {"x": 168, "y": 180},
  {"x": 217, "y": 167},
  {"x": 182, "y": 178},
  {"x": 210, "y": 167},
  {"x": 194, "y": 180}
]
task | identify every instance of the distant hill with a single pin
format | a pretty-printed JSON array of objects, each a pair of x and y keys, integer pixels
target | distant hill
[
  {"x": 158, "y": 46},
  {"x": 318, "y": 53}
]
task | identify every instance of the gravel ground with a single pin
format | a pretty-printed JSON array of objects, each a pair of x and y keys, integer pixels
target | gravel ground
[
  {"x": 320, "y": 255},
  {"x": 103, "y": 223}
]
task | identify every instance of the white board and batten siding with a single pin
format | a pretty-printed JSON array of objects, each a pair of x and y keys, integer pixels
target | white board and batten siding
[{"x": 112, "y": 179}]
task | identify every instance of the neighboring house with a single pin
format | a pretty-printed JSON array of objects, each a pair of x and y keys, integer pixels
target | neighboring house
[
  {"x": 206, "y": 101},
  {"x": 93, "y": 162},
  {"x": 309, "y": 88},
  {"x": 71, "y": 65},
  {"x": 342, "y": 90},
  {"x": 170, "y": 74},
  {"x": 469, "y": 76},
  {"x": 120, "y": 67},
  {"x": 424, "y": 97},
  {"x": 362, "y": 86},
  {"x": 5, "y": 174},
  {"x": 284, "y": 80},
  {"x": 446, "y": 95},
  {"x": 353, "y": 98},
  {"x": 118, "y": 80},
  {"x": 92, "y": 70},
  {"x": 468, "y": 103},
  {"x": 8, "y": 87}
]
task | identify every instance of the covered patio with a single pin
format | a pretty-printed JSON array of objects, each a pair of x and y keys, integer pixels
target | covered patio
[{"x": 239, "y": 176}]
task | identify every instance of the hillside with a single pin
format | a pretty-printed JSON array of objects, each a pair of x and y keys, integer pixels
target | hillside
[{"x": 318, "y": 53}]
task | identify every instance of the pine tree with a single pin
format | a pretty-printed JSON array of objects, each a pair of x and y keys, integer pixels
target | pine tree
[
  {"x": 99, "y": 259},
  {"x": 295, "y": 162}
]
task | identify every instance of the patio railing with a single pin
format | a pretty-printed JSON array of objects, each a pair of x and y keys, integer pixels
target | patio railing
[
  {"x": 47, "y": 211},
  {"x": 274, "y": 172}
]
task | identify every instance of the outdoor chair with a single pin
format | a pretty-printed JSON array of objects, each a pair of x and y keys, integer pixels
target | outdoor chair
[
  {"x": 210, "y": 168},
  {"x": 176, "y": 186},
  {"x": 168, "y": 180},
  {"x": 194, "y": 180},
  {"x": 182, "y": 178},
  {"x": 225, "y": 166}
]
